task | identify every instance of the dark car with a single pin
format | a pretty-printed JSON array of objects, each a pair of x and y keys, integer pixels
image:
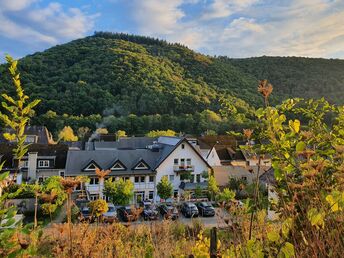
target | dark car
[
  {"x": 168, "y": 211},
  {"x": 189, "y": 209},
  {"x": 127, "y": 214},
  {"x": 85, "y": 215},
  {"x": 205, "y": 209},
  {"x": 150, "y": 212}
]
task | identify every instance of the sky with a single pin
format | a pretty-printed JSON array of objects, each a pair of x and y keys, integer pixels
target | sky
[{"x": 235, "y": 28}]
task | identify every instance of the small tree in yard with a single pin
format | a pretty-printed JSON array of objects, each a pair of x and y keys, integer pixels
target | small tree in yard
[
  {"x": 98, "y": 207},
  {"x": 120, "y": 192},
  {"x": 165, "y": 188},
  {"x": 226, "y": 195},
  {"x": 212, "y": 187}
]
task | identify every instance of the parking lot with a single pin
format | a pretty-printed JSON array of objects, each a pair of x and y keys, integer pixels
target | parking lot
[{"x": 219, "y": 220}]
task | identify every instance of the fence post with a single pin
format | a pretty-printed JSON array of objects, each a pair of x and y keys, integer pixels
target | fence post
[{"x": 213, "y": 243}]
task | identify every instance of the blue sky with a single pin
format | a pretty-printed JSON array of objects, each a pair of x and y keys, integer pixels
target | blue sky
[{"x": 236, "y": 28}]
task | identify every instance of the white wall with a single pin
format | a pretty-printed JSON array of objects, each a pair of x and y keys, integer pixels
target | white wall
[
  {"x": 213, "y": 159},
  {"x": 166, "y": 168}
]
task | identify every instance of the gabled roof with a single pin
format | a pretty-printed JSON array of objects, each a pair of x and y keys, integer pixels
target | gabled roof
[{"x": 170, "y": 149}]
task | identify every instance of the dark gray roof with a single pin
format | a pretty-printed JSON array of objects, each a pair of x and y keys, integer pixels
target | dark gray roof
[
  {"x": 126, "y": 143},
  {"x": 78, "y": 160},
  {"x": 268, "y": 177}
]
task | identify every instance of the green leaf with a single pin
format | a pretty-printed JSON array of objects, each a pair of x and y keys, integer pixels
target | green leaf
[
  {"x": 273, "y": 236},
  {"x": 300, "y": 146},
  {"x": 288, "y": 250}
]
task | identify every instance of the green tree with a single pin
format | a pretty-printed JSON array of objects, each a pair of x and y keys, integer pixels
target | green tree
[
  {"x": 119, "y": 191},
  {"x": 164, "y": 188},
  {"x": 213, "y": 189},
  {"x": 226, "y": 195}
]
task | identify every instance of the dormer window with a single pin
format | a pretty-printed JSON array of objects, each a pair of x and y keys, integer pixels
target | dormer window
[
  {"x": 91, "y": 166},
  {"x": 141, "y": 165},
  {"x": 43, "y": 163},
  {"x": 118, "y": 166}
]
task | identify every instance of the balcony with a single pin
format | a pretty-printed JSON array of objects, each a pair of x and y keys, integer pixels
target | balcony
[
  {"x": 143, "y": 186},
  {"x": 183, "y": 168}
]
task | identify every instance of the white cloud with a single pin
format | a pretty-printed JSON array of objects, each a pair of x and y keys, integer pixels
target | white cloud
[
  {"x": 50, "y": 25},
  {"x": 15, "y": 5},
  {"x": 300, "y": 27},
  {"x": 225, "y": 8},
  {"x": 158, "y": 17}
]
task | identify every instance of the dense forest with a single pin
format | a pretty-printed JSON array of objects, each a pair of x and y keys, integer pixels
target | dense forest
[{"x": 131, "y": 83}]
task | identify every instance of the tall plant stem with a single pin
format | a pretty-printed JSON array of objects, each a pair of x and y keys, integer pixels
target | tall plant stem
[{"x": 256, "y": 192}]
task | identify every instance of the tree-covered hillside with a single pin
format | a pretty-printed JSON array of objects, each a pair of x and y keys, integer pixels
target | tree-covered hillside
[
  {"x": 298, "y": 76},
  {"x": 119, "y": 75}
]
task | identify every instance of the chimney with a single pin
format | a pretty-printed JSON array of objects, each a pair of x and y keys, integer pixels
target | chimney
[{"x": 32, "y": 166}]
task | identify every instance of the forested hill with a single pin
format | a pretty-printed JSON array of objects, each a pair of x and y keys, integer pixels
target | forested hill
[
  {"x": 120, "y": 74},
  {"x": 298, "y": 76}
]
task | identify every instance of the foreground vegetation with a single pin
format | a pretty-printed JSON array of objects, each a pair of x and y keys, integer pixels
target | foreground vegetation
[{"x": 306, "y": 141}]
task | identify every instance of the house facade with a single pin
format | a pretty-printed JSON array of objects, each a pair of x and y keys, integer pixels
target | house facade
[{"x": 142, "y": 160}]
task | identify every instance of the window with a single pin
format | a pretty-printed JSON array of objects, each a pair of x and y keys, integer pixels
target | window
[
  {"x": 183, "y": 146},
  {"x": 171, "y": 178},
  {"x": 175, "y": 161},
  {"x": 151, "y": 179},
  {"x": 182, "y": 162},
  {"x": 151, "y": 195},
  {"x": 198, "y": 178},
  {"x": 141, "y": 165},
  {"x": 188, "y": 162},
  {"x": 192, "y": 178},
  {"x": 26, "y": 164},
  {"x": 126, "y": 178},
  {"x": 117, "y": 166},
  {"x": 139, "y": 179},
  {"x": 40, "y": 179},
  {"x": 43, "y": 163},
  {"x": 94, "y": 180},
  {"x": 91, "y": 167},
  {"x": 93, "y": 197},
  {"x": 175, "y": 193},
  {"x": 62, "y": 173}
]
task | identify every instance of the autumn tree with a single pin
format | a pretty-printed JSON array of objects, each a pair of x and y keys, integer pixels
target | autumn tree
[
  {"x": 157, "y": 133},
  {"x": 67, "y": 135}
]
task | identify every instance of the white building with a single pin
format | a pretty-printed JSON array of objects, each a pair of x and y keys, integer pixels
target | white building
[{"x": 142, "y": 160}]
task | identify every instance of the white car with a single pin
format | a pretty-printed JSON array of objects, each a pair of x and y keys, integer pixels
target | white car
[{"x": 111, "y": 215}]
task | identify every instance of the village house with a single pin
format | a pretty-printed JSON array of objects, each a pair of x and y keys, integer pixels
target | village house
[{"x": 142, "y": 160}]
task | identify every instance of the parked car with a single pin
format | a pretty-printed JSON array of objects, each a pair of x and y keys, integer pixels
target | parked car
[
  {"x": 168, "y": 211},
  {"x": 126, "y": 213},
  {"x": 111, "y": 214},
  {"x": 150, "y": 212},
  {"x": 189, "y": 209},
  {"x": 205, "y": 209},
  {"x": 85, "y": 215}
]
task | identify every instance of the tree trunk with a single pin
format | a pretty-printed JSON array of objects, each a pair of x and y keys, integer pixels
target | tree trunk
[{"x": 36, "y": 205}]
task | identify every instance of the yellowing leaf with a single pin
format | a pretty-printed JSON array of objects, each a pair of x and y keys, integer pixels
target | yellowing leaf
[
  {"x": 294, "y": 125},
  {"x": 273, "y": 236}
]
